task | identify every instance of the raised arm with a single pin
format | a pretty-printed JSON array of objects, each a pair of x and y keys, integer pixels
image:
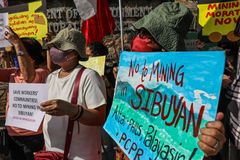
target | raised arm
[{"x": 26, "y": 64}]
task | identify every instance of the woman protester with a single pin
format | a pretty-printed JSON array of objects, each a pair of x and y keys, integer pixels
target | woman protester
[
  {"x": 23, "y": 143},
  {"x": 88, "y": 114}
]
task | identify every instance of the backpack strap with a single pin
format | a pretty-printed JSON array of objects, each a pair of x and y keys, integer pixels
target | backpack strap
[{"x": 70, "y": 122}]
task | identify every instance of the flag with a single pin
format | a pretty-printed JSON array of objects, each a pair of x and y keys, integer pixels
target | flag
[
  {"x": 86, "y": 8},
  {"x": 97, "y": 19},
  {"x": 3, "y": 3}
]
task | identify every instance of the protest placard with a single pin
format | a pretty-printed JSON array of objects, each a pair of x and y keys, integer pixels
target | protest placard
[
  {"x": 3, "y": 23},
  {"x": 28, "y": 20},
  {"x": 162, "y": 100},
  {"x": 95, "y": 63},
  {"x": 218, "y": 17},
  {"x": 24, "y": 110}
]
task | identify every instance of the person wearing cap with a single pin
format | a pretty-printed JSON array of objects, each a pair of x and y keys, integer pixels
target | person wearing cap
[
  {"x": 23, "y": 143},
  {"x": 66, "y": 49},
  {"x": 164, "y": 29}
]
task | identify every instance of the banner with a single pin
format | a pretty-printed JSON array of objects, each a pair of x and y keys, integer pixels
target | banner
[
  {"x": 24, "y": 110},
  {"x": 219, "y": 17},
  {"x": 28, "y": 20},
  {"x": 95, "y": 63},
  {"x": 162, "y": 100}
]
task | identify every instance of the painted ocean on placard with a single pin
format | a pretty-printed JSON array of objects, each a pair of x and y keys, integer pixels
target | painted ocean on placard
[{"x": 161, "y": 101}]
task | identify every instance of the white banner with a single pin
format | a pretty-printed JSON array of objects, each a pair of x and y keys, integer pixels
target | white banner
[{"x": 24, "y": 109}]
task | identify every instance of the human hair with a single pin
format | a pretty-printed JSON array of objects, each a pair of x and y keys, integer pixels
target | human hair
[
  {"x": 98, "y": 49},
  {"x": 34, "y": 49}
]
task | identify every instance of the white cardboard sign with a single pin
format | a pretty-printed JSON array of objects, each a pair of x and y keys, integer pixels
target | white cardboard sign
[{"x": 24, "y": 105}]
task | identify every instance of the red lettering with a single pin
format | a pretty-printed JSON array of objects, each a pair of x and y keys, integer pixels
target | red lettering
[
  {"x": 212, "y": 6},
  {"x": 235, "y": 19},
  {"x": 218, "y": 14},
  {"x": 149, "y": 95},
  {"x": 237, "y": 11},
  {"x": 227, "y": 20},
  {"x": 175, "y": 110},
  {"x": 131, "y": 70},
  {"x": 154, "y": 70},
  {"x": 132, "y": 148},
  {"x": 235, "y": 4},
  {"x": 231, "y": 13},
  {"x": 138, "y": 154},
  {"x": 210, "y": 14},
  {"x": 218, "y": 21},
  {"x": 155, "y": 103},
  {"x": 182, "y": 114},
  {"x": 163, "y": 73},
  {"x": 225, "y": 13},
  {"x": 225, "y": 5},
  {"x": 177, "y": 81},
  {"x": 139, "y": 96},
  {"x": 191, "y": 117},
  {"x": 164, "y": 117},
  {"x": 172, "y": 71}
]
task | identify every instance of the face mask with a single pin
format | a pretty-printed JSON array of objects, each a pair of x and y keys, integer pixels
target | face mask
[
  {"x": 57, "y": 55},
  {"x": 144, "y": 44}
]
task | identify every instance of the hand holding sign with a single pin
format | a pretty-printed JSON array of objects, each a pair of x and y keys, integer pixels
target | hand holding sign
[
  {"x": 59, "y": 107},
  {"x": 24, "y": 111},
  {"x": 212, "y": 137}
]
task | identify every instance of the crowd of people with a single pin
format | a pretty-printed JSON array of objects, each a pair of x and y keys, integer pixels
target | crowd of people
[{"x": 81, "y": 117}]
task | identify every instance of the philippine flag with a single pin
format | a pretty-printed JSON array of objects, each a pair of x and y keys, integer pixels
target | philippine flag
[{"x": 97, "y": 19}]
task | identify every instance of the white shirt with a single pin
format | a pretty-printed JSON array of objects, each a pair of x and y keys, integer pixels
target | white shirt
[{"x": 86, "y": 143}]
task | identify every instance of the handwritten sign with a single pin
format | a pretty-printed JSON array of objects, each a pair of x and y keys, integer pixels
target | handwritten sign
[
  {"x": 95, "y": 63},
  {"x": 219, "y": 17},
  {"x": 161, "y": 102},
  {"x": 24, "y": 111},
  {"x": 30, "y": 23},
  {"x": 3, "y": 22}
]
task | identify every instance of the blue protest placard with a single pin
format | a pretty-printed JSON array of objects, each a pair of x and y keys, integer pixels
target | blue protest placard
[{"x": 162, "y": 100}]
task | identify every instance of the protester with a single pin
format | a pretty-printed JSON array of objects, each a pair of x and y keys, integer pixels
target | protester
[
  {"x": 231, "y": 104},
  {"x": 95, "y": 49},
  {"x": 23, "y": 142},
  {"x": 67, "y": 48},
  {"x": 164, "y": 29}
]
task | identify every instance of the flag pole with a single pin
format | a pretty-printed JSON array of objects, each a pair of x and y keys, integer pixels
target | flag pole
[{"x": 121, "y": 23}]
